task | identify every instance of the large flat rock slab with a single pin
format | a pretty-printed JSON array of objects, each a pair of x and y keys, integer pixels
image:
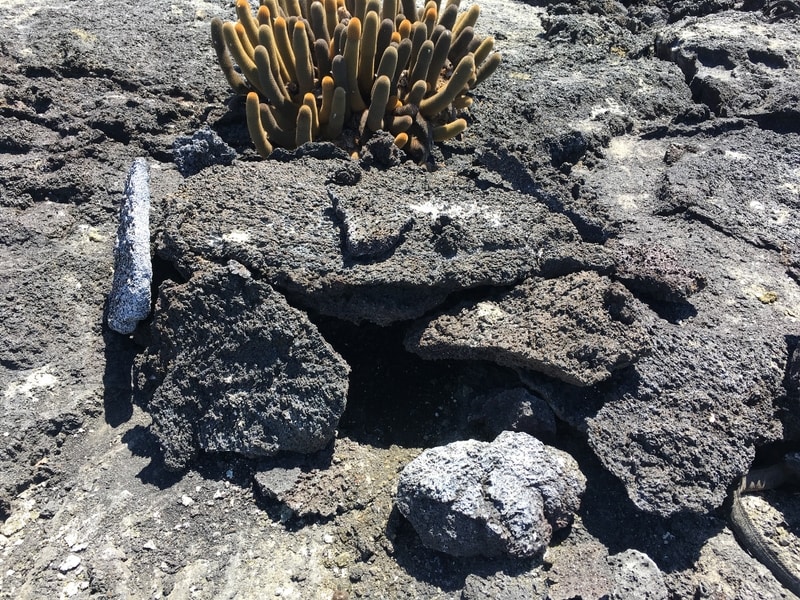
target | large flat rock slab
[
  {"x": 389, "y": 248},
  {"x": 711, "y": 392},
  {"x": 578, "y": 328}
]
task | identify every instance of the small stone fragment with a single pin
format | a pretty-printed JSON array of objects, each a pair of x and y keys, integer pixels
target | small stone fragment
[
  {"x": 193, "y": 153},
  {"x": 71, "y": 562}
]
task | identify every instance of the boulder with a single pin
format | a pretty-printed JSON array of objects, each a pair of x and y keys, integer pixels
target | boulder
[
  {"x": 233, "y": 368},
  {"x": 506, "y": 497},
  {"x": 578, "y": 328}
]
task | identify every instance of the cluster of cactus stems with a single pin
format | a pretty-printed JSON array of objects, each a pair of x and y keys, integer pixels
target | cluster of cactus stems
[{"x": 310, "y": 68}]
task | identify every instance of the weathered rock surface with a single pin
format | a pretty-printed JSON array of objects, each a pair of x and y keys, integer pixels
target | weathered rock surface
[
  {"x": 233, "y": 368},
  {"x": 129, "y": 300},
  {"x": 738, "y": 64},
  {"x": 578, "y": 328},
  {"x": 505, "y": 497},
  {"x": 193, "y": 153},
  {"x": 277, "y": 219},
  {"x": 706, "y": 396},
  {"x": 581, "y": 118}
]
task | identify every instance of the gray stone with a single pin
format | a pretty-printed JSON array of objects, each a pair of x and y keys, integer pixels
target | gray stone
[
  {"x": 369, "y": 228},
  {"x": 129, "y": 300},
  {"x": 654, "y": 271},
  {"x": 203, "y": 148},
  {"x": 726, "y": 185},
  {"x": 680, "y": 431},
  {"x": 233, "y": 368},
  {"x": 636, "y": 577},
  {"x": 475, "y": 498},
  {"x": 578, "y": 328},
  {"x": 501, "y": 586}
]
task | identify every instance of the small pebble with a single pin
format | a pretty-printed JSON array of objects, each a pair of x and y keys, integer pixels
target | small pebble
[
  {"x": 186, "y": 500},
  {"x": 71, "y": 562}
]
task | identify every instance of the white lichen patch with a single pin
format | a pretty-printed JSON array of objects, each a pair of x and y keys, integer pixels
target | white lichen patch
[
  {"x": 32, "y": 386},
  {"x": 460, "y": 210},
  {"x": 237, "y": 236}
]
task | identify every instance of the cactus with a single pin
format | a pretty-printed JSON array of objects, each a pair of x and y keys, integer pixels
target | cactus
[{"x": 309, "y": 67}]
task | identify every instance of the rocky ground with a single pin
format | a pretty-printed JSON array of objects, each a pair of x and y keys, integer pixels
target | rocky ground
[{"x": 608, "y": 258}]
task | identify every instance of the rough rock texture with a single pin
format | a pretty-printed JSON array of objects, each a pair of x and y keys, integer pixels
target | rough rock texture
[
  {"x": 193, "y": 153},
  {"x": 636, "y": 576},
  {"x": 505, "y": 497},
  {"x": 738, "y": 64},
  {"x": 277, "y": 220},
  {"x": 129, "y": 300},
  {"x": 704, "y": 398},
  {"x": 233, "y": 368},
  {"x": 582, "y": 124},
  {"x": 655, "y": 272},
  {"x": 579, "y": 328}
]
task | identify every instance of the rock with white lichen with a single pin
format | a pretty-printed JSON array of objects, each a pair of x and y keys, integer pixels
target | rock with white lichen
[{"x": 506, "y": 497}]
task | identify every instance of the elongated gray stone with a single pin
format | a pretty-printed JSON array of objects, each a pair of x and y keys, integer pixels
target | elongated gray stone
[{"x": 129, "y": 300}]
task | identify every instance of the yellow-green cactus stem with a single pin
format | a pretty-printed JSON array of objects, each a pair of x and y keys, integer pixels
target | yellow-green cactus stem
[
  {"x": 302, "y": 57},
  {"x": 351, "y": 49},
  {"x": 263, "y": 16},
  {"x": 266, "y": 38},
  {"x": 338, "y": 110},
  {"x": 310, "y": 101},
  {"x": 327, "y": 86},
  {"x": 401, "y": 139},
  {"x": 331, "y": 16},
  {"x": 285, "y": 111},
  {"x": 254, "y": 126},
  {"x": 303, "y": 133},
  {"x": 417, "y": 93},
  {"x": 317, "y": 21},
  {"x": 248, "y": 22},
  {"x": 483, "y": 50},
  {"x": 429, "y": 18},
  {"x": 447, "y": 93},
  {"x": 487, "y": 68},
  {"x": 438, "y": 59},
  {"x": 466, "y": 19},
  {"x": 284, "y": 46},
  {"x": 224, "y": 58},
  {"x": 366, "y": 57},
  {"x": 449, "y": 130},
  {"x": 400, "y": 123},
  {"x": 388, "y": 64},
  {"x": 420, "y": 69},
  {"x": 389, "y": 10},
  {"x": 282, "y": 137},
  {"x": 447, "y": 18},
  {"x": 378, "y": 102},
  {"x": 418, "y": 36},
  {"x": 242, "y": 59},
  {"x": 293, "y": 8}
]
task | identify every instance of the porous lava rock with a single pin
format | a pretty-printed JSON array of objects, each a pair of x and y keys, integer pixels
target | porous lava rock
[
  {"x": 578, "y": 328},
  {"x": 389, "y": 250},
  {"x": 233, "y": 368},
  {"x": 473, "y": 498}
]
